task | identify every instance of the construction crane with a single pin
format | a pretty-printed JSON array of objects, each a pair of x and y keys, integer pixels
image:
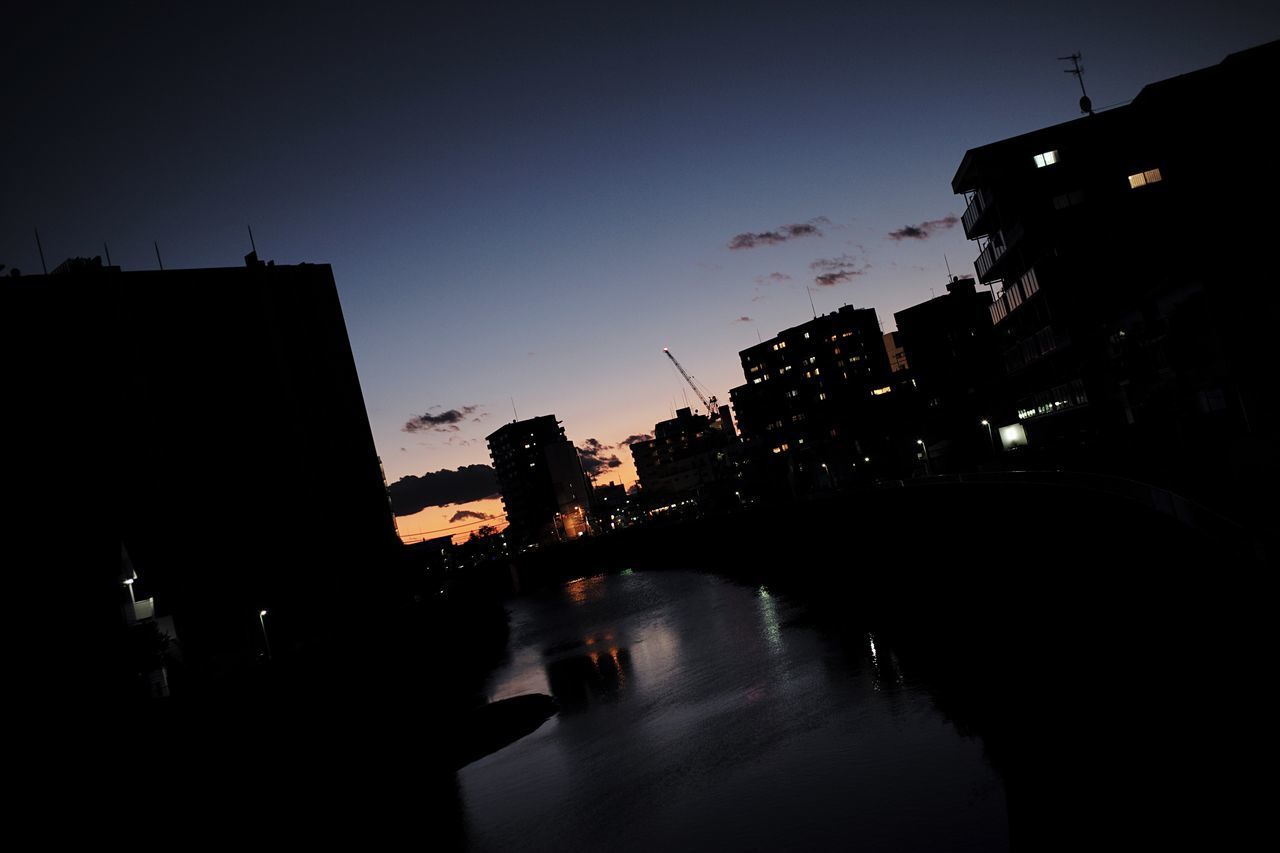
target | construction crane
[{"x": 708, "y": 400}]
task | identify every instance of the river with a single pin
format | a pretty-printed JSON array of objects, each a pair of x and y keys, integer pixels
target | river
[{"x": 698, "y": 713}]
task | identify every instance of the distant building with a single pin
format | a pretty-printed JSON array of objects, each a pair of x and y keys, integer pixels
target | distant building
[
  {"x": 1132, "y": 310},
  {"x": 950, "y": 344},
  {"x": 684, "y": 464},
  {"x": 818, "y": 404},
  {"x": 897, "y": 355},
  {"x": 609, "y": 506},
  {"x": 233, "y": 456},
  {"x": 540, "y": 477}
]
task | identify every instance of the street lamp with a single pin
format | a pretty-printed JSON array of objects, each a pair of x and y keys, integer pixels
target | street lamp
[
  {"x": 927, "y": 469},
  {"x": 990, "y": 437},
  {"x": 129, "y": 583},
  {"x": 262, "y": 620}
]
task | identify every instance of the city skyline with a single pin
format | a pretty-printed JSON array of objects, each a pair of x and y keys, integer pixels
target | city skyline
[{"x": 535, "y": 218}]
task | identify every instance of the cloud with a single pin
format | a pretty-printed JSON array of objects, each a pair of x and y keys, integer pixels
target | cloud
[
  {"x": 744, "y": 319},
  {"x": 596, "y": 459},
  {"x": 924, "y": 230},
  {"x": 444, "y": 422},
  {"x": 441, "y": 488},
  {"x": 464, "y": 514},
  {"x": 635, "y": 439},
  {"x": 781, "y": 234},
  {"x": 833, "y": 271},
  {"x": 772, "y": 278}
]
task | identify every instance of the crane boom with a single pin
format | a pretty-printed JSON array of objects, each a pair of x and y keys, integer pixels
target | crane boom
[{"x": 709, "y": 402}]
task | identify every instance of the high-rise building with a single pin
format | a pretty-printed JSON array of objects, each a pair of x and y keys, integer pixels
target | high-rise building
[
  {"x": 1130, "y": 307},
  {"x": 540, "y": 477},
  {"x": 233, "y": 457},
  {"x": 818, "y": 402},
  {"x": 685, "y": 462}
]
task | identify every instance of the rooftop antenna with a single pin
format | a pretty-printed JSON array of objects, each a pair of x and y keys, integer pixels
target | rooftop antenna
[
  {"x": 158, "y": 261},
  {"x": 811, "y": 308},
  {"x": 106, "y": 251},
  {"x": 252, "y": 245},
  {"x": 514, "y": 415},
  {"x": 758, "y": 338},
  {"x": 43, "y": 266},
  {"x": 950, "y": 277},
  {"x": 1086, "y": 105}
]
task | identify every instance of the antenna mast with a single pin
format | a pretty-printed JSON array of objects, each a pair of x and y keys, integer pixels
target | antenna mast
[{"x": 1086, "y": 105}]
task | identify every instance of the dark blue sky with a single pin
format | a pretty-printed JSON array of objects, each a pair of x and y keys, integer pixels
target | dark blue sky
[{"x": 531, "y": 200}]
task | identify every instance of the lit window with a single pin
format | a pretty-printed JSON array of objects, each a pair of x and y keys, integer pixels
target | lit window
[
  {"x": 1141, "y": 179},
  {"x": 1048, "y": 158},
  {"x": 878, "y": 391}
]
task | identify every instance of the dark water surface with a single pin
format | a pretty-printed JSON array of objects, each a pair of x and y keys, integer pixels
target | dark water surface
[{"x": 702, "y": 714}]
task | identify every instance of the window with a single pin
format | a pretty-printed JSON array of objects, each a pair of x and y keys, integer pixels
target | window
[
  {"x": 876, "y": 392},
  {"x": 1048, "y": 158},
  {"x": 1066, "y": 200},
  {"x": 1141, "y": 179}
]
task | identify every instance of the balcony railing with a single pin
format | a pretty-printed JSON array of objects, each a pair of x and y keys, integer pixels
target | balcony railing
[
  {"x": 988, "y": 259},
  {"x": 978, "y": 206}
]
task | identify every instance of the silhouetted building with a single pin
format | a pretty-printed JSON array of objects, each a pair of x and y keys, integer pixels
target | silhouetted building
[
  {"x": 233, "y": 456},
  {"x": 540, "y": 476},
  {"x": 609, "y": 506},
  {"x": 684, "y": 464},
  {"x": 818, "y": 403},
  {"x": 950, "y": 344},
  {"x": 897, "y": 355},
  {"x": 1130, "y": 311}
]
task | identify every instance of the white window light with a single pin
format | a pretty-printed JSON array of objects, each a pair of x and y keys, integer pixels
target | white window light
[{"x": 1048, "y": 158}]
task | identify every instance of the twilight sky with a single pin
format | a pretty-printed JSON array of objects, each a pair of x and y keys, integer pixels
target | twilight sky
[{"x": 531, "y": 200}]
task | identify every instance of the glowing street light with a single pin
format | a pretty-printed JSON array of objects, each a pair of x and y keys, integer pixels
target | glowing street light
[
  {"x": 266, "y": 641},
  {"x": 927, "y": 468},
  {"x": 991, "y": 438},
  {"x": 129, "y": 583}
]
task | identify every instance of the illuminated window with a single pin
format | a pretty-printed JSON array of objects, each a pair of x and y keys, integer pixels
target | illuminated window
[
  {"x": 878, "y": 391},
  {"x": 1048, "y": 158},
  {"x": 822, "y": 396},
  {"x": 1141, "y": 179}
]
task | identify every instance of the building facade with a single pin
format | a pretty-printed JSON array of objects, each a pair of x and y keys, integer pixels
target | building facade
[
  {"x": 540, "y": 477},
  {"x": 818, "y": 409},
  {"x": 1130, "y": 306},
  {"x": 233, "y": 458}
]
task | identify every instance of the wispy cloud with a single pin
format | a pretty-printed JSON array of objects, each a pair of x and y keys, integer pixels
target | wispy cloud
[
  {"x": 924, "y": 230},
  {"x": 744, "y": 319},
  {"x": 833, "y": 271},
  {"x": 781, "y": 234},
  {"x": 772, "y": 278},
  {"x": 464, "y": 514},
  {"x": 446, "y": 421}
]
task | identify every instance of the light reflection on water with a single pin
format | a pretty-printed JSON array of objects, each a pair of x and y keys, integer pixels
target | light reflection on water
[{"x": 696, "y": 712}]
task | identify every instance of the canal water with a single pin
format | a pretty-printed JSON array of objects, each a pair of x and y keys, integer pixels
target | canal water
[{"x": 697, "y": 713}]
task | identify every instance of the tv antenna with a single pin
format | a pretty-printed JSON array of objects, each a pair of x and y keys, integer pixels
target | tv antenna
[{"x": 1086, "y": 105}]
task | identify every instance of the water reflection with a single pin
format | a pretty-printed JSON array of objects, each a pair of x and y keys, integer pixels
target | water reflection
[
  {"x": 576, "y": 681},
  {"x": 706, "y": 714}
]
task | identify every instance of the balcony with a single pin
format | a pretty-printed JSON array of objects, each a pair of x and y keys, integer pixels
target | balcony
[
  {"x": 988, "y": 263},
  {"x": 975, "y": 220}
]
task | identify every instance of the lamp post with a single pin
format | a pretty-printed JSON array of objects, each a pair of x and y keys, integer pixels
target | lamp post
[
  {"x": 262, "y": 620},
  {"x": 927, "y": 469},
  {"x": 129, "y": 583},
  {"x": 991, "y": 438}
]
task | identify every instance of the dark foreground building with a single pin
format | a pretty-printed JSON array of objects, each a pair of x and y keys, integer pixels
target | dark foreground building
[
  {"x": 685, "y": 464},
  {"x": 213, "y": 425},
  {"x": 1134, "y": 297}
]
